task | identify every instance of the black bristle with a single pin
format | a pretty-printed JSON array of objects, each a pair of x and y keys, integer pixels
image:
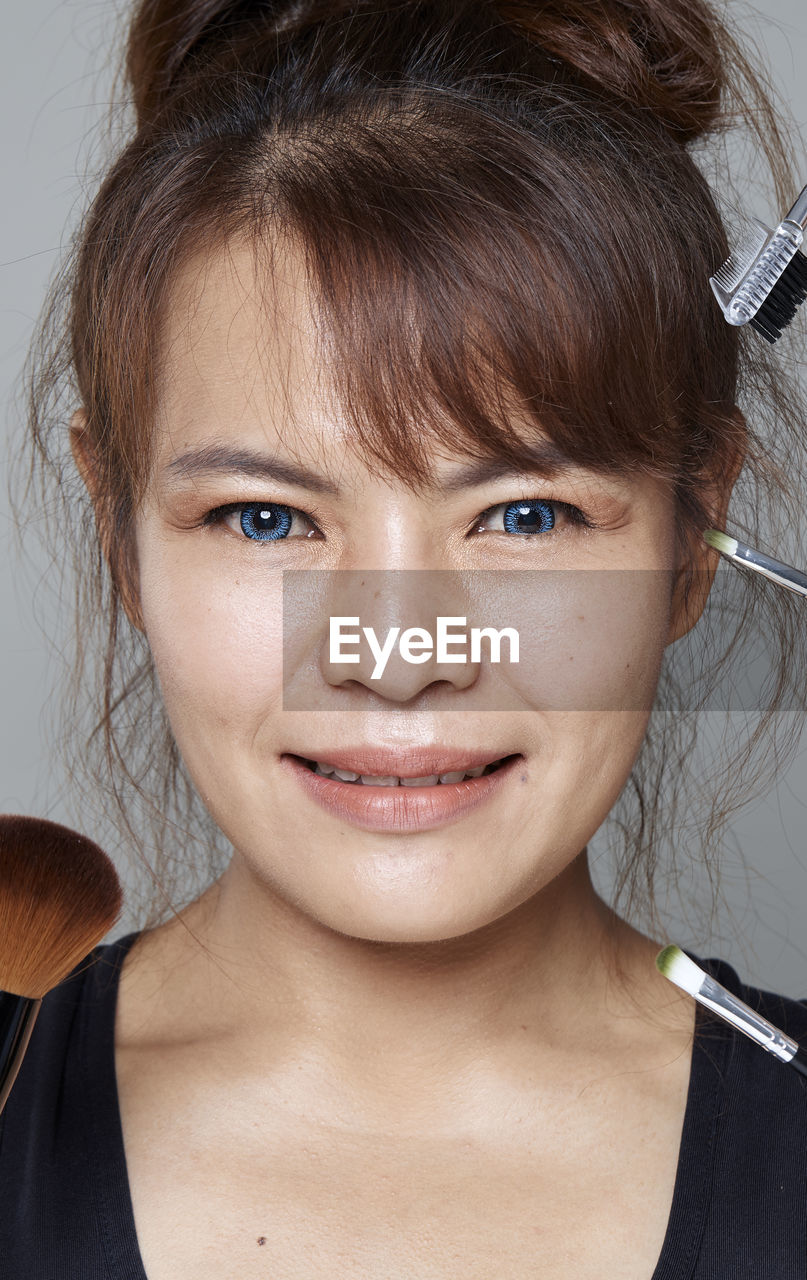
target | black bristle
[
  {"x": 769, "y": 334},
  {"x": 798, "y": 267},
  {"x": 783, "y": 301}
]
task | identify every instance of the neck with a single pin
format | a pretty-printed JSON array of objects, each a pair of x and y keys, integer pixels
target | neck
[{"x": 376, "y": 1023}]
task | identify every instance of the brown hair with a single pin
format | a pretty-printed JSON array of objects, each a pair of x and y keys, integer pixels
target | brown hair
[{"x": 515, "y": 187}]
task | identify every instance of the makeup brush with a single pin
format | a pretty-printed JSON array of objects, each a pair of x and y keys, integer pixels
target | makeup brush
[
  {"x": 764, "y": 282},
  {"x": 59, "y": 895},
  {"x": 675, "y": 965},
  {"x": 747, "y": 557}
]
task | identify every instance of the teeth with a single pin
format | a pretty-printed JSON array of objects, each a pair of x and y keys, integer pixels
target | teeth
[{"x": 390, "y": 780}]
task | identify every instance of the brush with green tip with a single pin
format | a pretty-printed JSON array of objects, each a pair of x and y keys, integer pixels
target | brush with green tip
[
  {"x": 674, "y": 964},
  {"x": 743, "y": 555}
]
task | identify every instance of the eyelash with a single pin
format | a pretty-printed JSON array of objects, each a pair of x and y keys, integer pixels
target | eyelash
[
  {"x": 216, "y": 516},
  {"x": 575, "y": 515}
]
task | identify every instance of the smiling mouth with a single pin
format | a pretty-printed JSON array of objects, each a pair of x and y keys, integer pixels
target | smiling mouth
[{"x": 350, "y": 778}]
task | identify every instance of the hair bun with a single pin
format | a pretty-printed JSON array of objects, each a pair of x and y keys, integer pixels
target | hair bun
[
  {"x": 661, "y": 56},
  {"x": 163, "y": 34}
]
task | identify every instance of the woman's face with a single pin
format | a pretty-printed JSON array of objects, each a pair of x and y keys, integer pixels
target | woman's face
[{"x": 246, "y": 429}]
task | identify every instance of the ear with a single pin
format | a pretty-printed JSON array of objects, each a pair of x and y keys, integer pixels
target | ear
[
  {"x": 698, "y": 562},
  {"x": 82, "y": 453},
  {"x": 120, "y": 559}
]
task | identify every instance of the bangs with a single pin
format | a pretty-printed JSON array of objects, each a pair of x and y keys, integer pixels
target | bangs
[{"x": 482, "y": 299}]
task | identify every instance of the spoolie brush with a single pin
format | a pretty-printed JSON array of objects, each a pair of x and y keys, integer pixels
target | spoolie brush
[
  {"x": 59, "y": 895},
  {"x": 674, "y": 964},
  {"x": 764, "y": 282}
]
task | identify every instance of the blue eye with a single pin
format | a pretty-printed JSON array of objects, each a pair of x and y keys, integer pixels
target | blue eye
[
  {"x": 265, "y": 521},
  {"x": 260, "y": 521},
  {"x": 531, "y": 516}
]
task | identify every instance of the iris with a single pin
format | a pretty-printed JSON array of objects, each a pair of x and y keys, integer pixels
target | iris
[
  {"x": 265, "y": 521},
  {"x": 532, "y": 515}
]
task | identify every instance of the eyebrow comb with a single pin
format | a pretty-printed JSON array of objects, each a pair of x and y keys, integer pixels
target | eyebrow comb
[{"x": 764, "y": 282}]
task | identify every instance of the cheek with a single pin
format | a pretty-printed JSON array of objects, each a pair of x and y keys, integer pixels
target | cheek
[
  {"x": 597, "y": 641},
  {"x": 216, "y": 641},
  {"x": 591, "y": 640},
  {"x": 593, "y": 753}
]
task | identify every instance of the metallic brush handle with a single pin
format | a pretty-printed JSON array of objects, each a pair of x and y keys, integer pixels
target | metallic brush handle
[
  {"x": 798, "y": 213},
  {"x": 17, "y": 1018},
  {"x": 744, "y": 1018}
]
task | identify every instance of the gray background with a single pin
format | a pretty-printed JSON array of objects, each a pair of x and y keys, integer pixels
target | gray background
[{"x": 55, "y": 83}]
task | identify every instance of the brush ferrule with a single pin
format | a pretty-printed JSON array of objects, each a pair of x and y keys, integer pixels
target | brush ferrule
[
  {"x": 776, "y": 570},
  {"x": 17, "y": 1018},
  {"x": 745, "y": 1019}
]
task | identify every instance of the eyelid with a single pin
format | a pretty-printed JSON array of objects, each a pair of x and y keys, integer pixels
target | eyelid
[{"x": 576, "y": 514}]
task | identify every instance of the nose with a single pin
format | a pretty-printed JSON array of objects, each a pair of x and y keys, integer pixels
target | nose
[{"x": 397, "y": 632}]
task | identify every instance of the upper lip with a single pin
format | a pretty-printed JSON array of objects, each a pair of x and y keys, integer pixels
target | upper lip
[{"x": 402, "y": 762}]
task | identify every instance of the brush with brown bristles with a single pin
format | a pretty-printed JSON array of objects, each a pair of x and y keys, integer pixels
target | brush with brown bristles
[{"x": 59, "y": 895}]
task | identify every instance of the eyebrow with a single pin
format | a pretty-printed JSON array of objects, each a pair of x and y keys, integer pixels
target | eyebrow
[
  {"x": 219, "y": 459},
  {"x": 544, "y": 457}
]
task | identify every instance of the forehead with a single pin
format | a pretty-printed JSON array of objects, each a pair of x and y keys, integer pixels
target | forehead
[
  {"x": 244, "y": 364},
  {"x": 240, "y": 348}
]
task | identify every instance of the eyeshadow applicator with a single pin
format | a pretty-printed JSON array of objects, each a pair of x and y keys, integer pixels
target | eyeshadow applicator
[
  {"x": 59, "y": 895},
  {"x": 747, "y": 557},
  {"x": 675, "y": 965}
]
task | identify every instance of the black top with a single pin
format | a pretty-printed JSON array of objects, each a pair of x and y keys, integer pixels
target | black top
[{"x": 739, "y": 1209}]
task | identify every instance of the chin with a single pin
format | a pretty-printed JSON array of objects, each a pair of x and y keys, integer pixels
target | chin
[
  {"x": 403, "y": 933},
  {"x": 382, "y": 914}
]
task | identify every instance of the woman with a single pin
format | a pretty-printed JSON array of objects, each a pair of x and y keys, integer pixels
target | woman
[{"x": 418, "y": 287}]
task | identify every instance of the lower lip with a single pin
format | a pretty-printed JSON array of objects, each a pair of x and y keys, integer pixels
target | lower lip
[{"x": 375, "y": 808}]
